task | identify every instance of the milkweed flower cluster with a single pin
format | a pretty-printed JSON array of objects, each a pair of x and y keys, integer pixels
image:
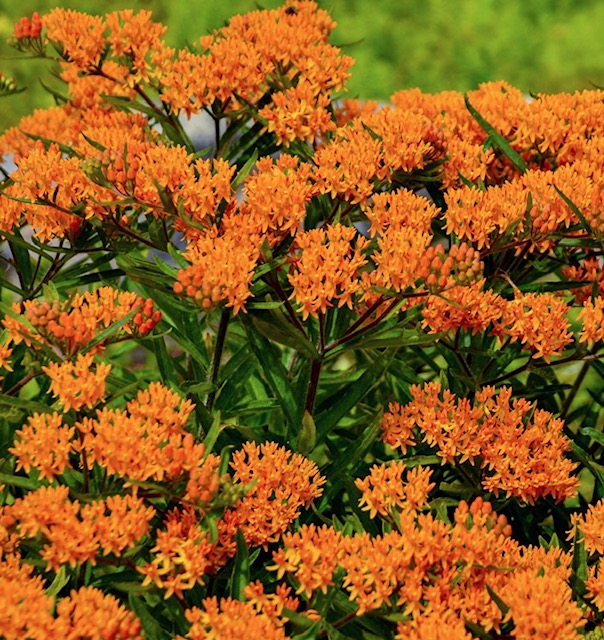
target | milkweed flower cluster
[
  {"x": 338, "y": 372},
  {"x": 522, "y": 448}
]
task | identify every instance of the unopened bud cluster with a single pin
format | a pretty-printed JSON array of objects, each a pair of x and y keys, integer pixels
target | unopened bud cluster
[
  {"x": 72, "y": 328},
  {"x": 190, "y": 282},
  {"x": 461, "y": 265},
  {"x": 481, "y": 513}
]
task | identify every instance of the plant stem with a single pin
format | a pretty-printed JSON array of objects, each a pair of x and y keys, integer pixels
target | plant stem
[
  {"x": 313, "y": 385},
  {"x": 217, "y": 356}
]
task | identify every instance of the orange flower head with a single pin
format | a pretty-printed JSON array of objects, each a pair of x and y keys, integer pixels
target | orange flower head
[
  {"x": 45, "y": 444},
  {"x": 230, "y": 619},
  {"x": 384, "y": 489},
  {"x": 90, "y": 613},
  {"x": 78, "y": 384},
  {"x": 326, "y": 272},
  {"x": 80, "y": 37}
]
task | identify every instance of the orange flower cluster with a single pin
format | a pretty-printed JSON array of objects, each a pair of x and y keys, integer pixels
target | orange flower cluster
[
  {"x": 77, "y": 384},
  {"x": 592, "y": 315},
  {"x": 148, "y": 441},
  {"x": 299, "y": 113},
  {"x": 222, "y": 267},
  {"x": 527, "y": 211},
  {"x": 589, "y": 271},
  {"x": 182, "y": 554},
  {"x": 74, "y": 533},
  {"x": 282, "y": 48},
  {"x": 228, "y": 619},
  {"x": 384, "y": 489},
  {"x": 326, "y": 272},
  {"x": 540, "y": 321},
  {"x": 44, "y": 443},
  {"x": 269, "y": 486},
  {"x": 280, "y": 483},
  {"x": 72, "y": 324},
  {"x": 424, "y": 566},
  {"x": 86, "y": 614},
  {"x": 520, "y": 447},
  {"x": 469, "y": 308}
]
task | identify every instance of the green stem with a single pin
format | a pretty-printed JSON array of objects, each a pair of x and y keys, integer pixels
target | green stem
[
  {"x": 575, "y": 388},
  {"x": 313, "y": 385},
  {"x": 217, "y": 356}
]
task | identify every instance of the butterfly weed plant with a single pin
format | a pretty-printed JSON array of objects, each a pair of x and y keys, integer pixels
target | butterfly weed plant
[{"x": 337, "y": 375}]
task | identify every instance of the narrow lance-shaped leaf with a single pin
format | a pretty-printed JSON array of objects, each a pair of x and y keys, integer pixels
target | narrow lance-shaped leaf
[{"x": 497, "y": 139}]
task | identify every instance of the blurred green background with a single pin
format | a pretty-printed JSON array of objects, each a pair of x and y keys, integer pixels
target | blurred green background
[{"x": 536, "y": 45}]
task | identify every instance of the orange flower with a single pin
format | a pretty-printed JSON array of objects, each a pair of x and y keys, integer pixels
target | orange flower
[
  {"x": 228, "y": 619},
  {"x": 280, "y": 483},
  {"x": 136, "y": 37},
  {"x": 398, "y": 259},
  {"x": 181, "y": 554},
  {"x": 76, "y": 385},
  {"x": 91, "y": 614},
  {"x": 592, "y": 316},
  {"x": 44, "y": 443},
  {"x": 347, "y": 166},
  {"x": 436, "y": 625},
  {"x": 327, "y": 268},
  {"x": 299, "y": 113},
  {"x": 590, "y": 525},
  {"x": 276, "y": 195},
  {"x": 148, "y": 441},
  {"x": 399, "y": 209},
  {"x": 524, "y": 456},
  {"x": 24, "y": 603},
  {"x": 271, "y": 604},
  {"x": 80, "y": 36},
  {"x": 312, "y": 555},
  {"x": 469, "y": 308},
  {"x": 589, "y": 271},
  {"x": 384, "y": 489},
  {"x": 222, "y": 267},
  {"x": 539, "y": 321},
  {"x": 27, "y": 28},
  {"x": 530, "y": 595},
  {"x": 74, "y": 533},
  {"x": 595, "y": 585}
]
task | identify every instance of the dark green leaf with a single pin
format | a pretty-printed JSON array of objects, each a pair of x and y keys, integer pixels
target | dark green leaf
[
  {"x": 240, "y": 577},
  {"x": 497, "y": 139}
]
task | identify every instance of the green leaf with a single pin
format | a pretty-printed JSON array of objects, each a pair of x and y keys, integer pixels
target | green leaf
[
  {"x": 477, "y": 630},
  {"x": 497, "y": 139},
  {"x": 573, "y": 207},
  {"x": 274, "y": 373},
  {"x": 19, "y": 481},
  {"x": 339, "y": 404},
  {"x": 275, "y": 326},
  {"x": 151, "y": 627},
  {"x": 213, "y": 433},
  {"x": 307, "y": 437},
  {"x": 240, "y": 577},
  {"x": 165, "y": 364},
  {"x": 245, "y": 171},
  {"x": 501, "y": 605},
  {"x": 28, "y": 405},
  {"x": 578, "y": 565},
  {"x": 110, "y": 331},
  {"x": 61, "y": 579},
  {"x": 598, "y": 436},
  {"x": 311, "y": 633}
]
